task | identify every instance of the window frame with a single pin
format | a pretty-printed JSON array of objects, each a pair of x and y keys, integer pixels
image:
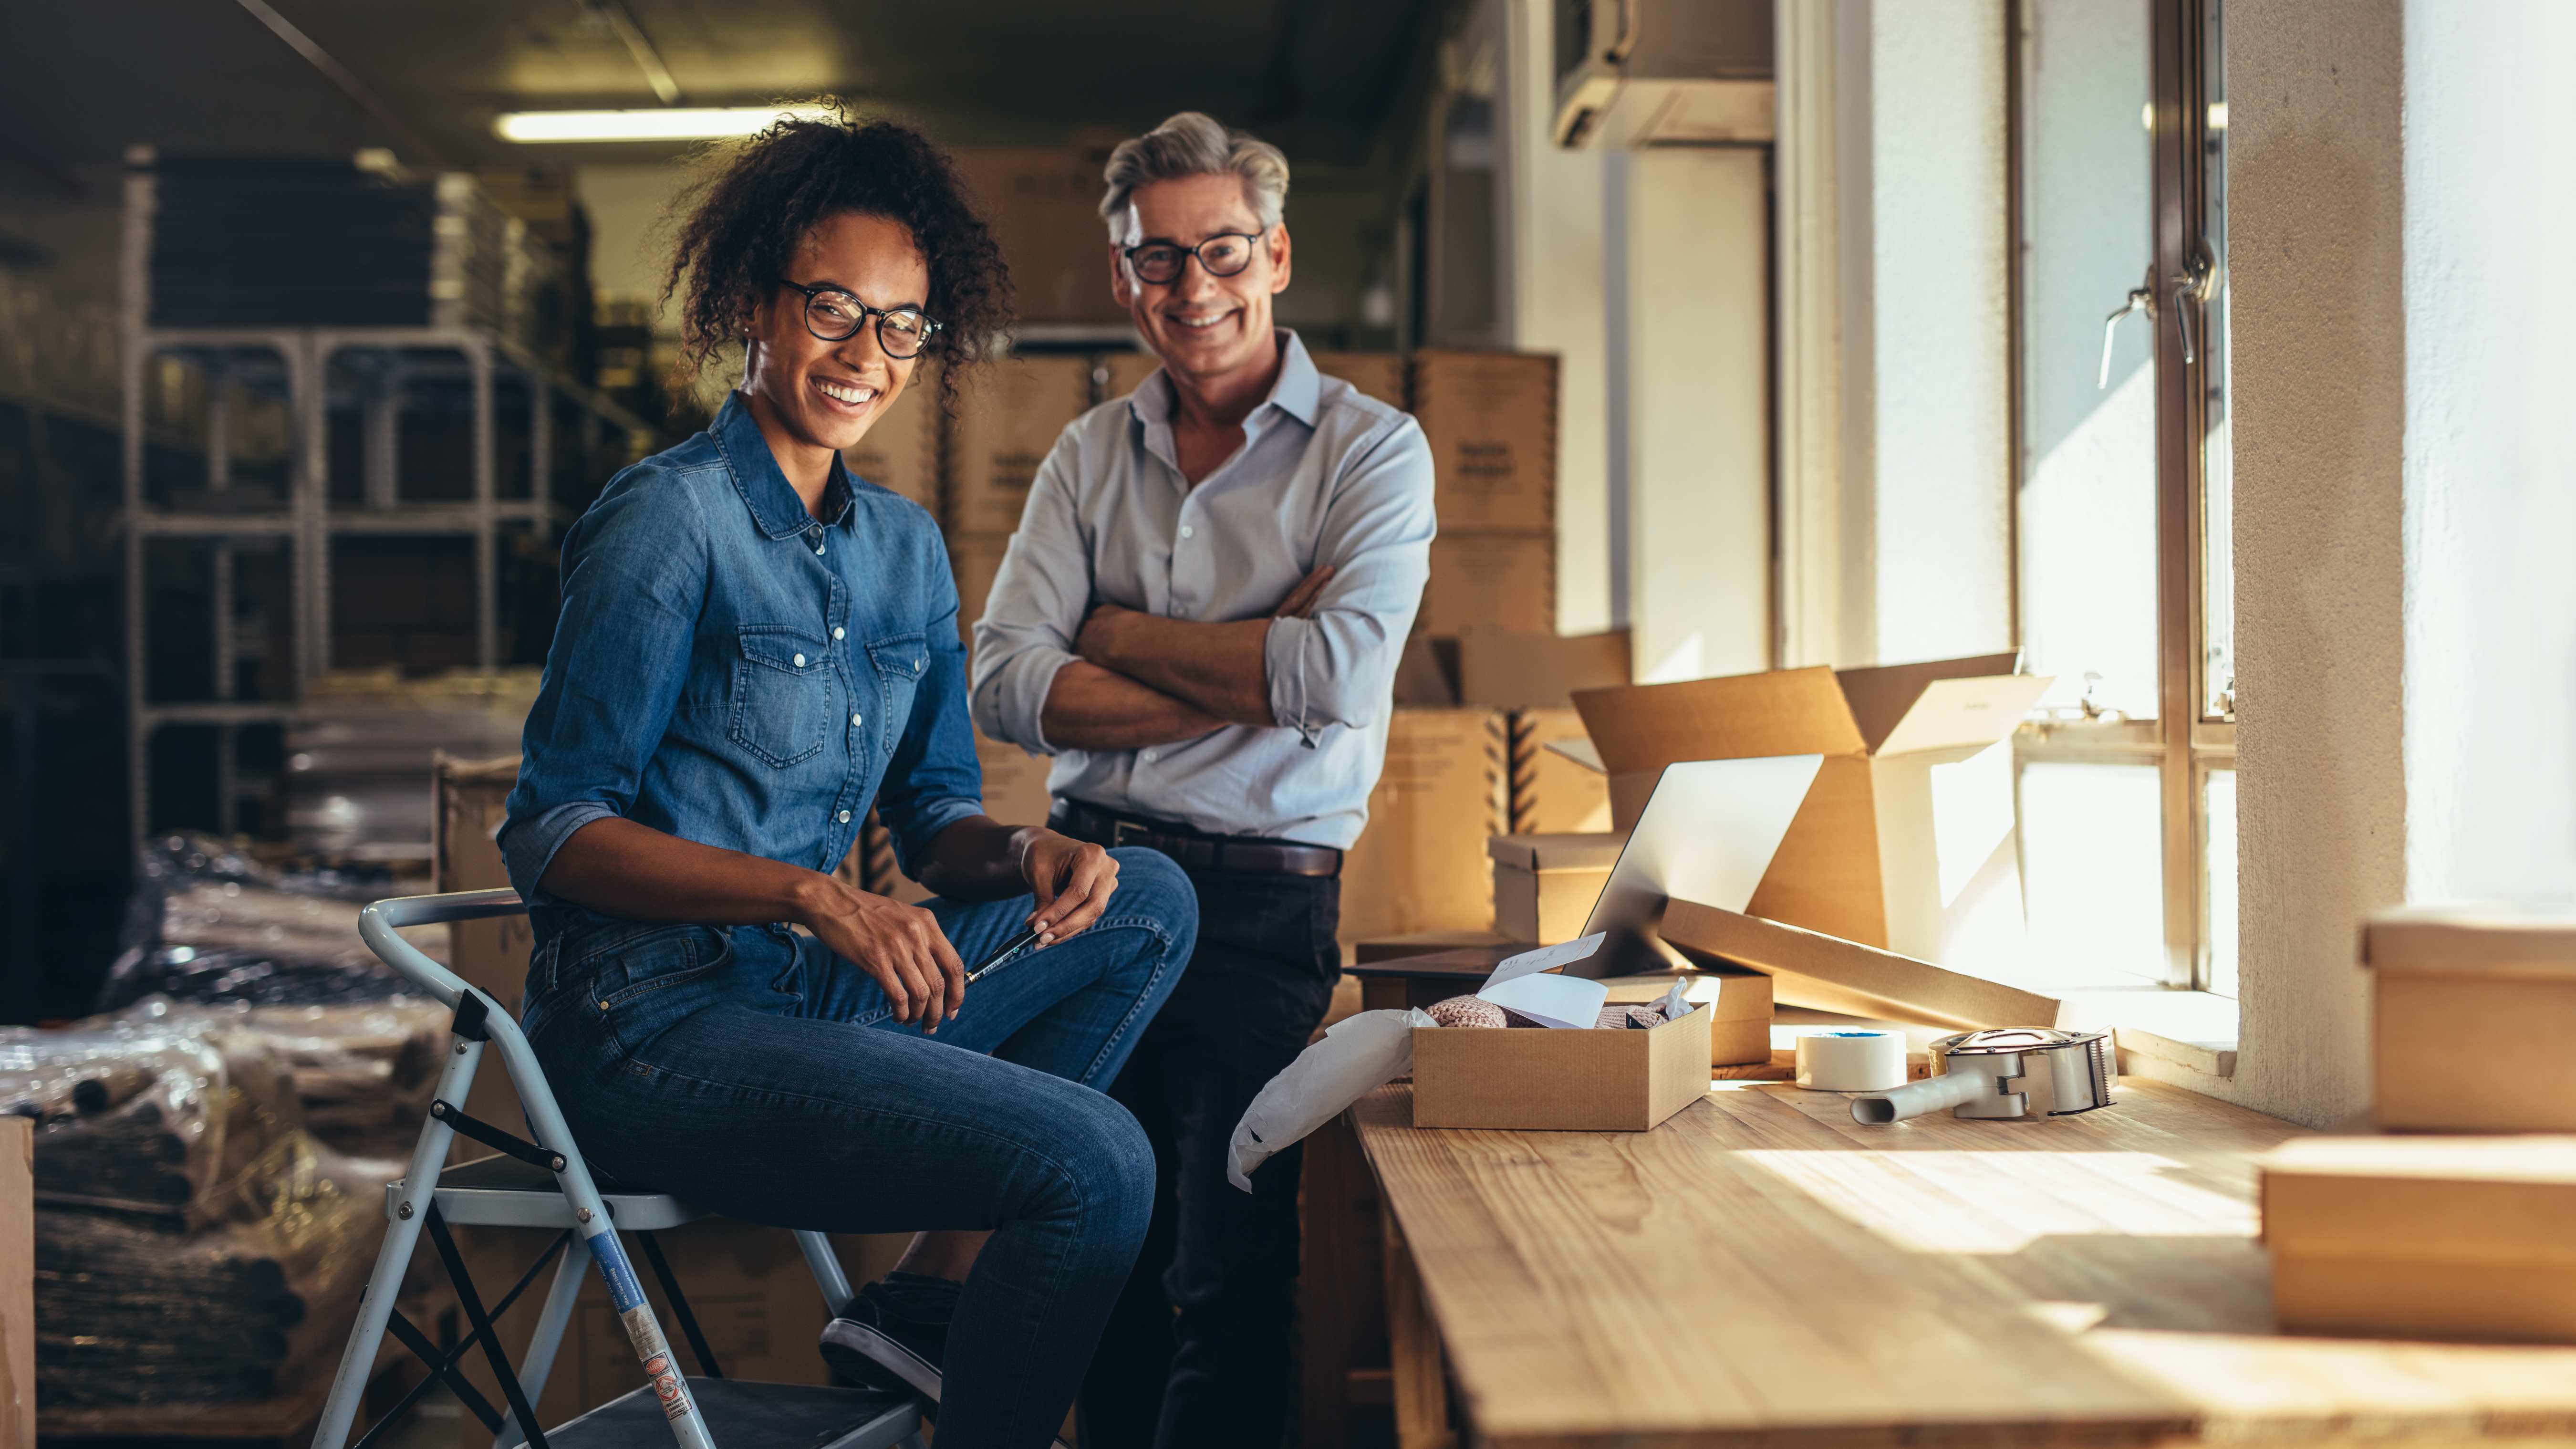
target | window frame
[{"x": 2183, "y": 742}]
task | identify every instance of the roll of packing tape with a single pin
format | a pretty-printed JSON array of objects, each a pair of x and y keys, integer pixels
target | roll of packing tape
[{"x": 1851, "y": 1061}]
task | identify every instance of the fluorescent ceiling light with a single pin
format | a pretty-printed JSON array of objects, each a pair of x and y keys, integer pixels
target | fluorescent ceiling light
[{"x": 668, "y": 123}]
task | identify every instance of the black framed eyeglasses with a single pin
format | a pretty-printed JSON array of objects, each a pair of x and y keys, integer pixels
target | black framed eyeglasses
[
  {"x": 1222, "y": 255},
  {"x": 833, "y": 315}
]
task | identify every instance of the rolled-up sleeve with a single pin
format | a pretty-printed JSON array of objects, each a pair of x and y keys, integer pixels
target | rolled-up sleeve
[
  {"x": 1039, "y": 598},
  {"x": 933, "y": 780},
  {"x": 1337, "y": 666},
  {"x": 634, "y": 580}
]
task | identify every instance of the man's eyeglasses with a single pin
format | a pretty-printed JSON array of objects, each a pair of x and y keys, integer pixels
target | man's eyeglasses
[
  {"x": 833, "y": 315},
  {"x": 1223, "y": 255}
]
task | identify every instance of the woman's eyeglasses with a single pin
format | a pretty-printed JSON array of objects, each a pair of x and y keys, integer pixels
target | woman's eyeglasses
[
  {"x": 833, "y": 315},
  {"x": 1223, "y": 255}
]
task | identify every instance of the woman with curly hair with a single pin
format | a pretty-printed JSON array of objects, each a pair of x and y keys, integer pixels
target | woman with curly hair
[{"x": 754, "y": 646}]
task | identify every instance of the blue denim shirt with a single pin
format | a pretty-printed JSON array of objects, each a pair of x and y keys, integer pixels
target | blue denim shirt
[{"x": 733, "y": 671}]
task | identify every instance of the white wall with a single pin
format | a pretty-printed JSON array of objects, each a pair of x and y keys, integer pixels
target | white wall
[
  {"x": 1693, "y": 324},
  {"x": 1941, "y": 407},
  {"x": 1556, "y": 300},
  {"x": 2490, "y": 345},
  {"x": 1895, "y": 372}
]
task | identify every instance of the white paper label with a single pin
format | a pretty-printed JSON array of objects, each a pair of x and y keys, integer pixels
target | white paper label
[{"x": 1545, "y": 958}]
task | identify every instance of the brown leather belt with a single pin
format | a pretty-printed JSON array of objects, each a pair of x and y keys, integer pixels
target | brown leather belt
[{"x": 1193, "y": 849}]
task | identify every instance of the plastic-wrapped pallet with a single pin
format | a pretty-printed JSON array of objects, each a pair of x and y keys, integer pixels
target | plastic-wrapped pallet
[
  {"x": 208, "y": 923},
  {"x": 194, "y": 1241}
]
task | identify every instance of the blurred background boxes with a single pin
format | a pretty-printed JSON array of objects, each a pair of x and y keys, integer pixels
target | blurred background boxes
[
  {"x": 1491, "y": 420},
  {"x": 901, "y": 453},
  {"x": 2473, "y": 1019},
  {"x": 1007, "y": 419},
  {"x": 1545, "y": 885},
  {"x": 1420, "y": 865}
]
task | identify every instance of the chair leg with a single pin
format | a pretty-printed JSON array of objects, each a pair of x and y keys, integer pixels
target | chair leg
[
  {"x": 552, "y": 1319},
  {"x": 402, "y": 1235},
  {"x": 826, "y": 1268}
]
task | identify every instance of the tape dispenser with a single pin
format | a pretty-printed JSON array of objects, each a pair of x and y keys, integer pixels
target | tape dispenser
[{"x": 1996, "y": 1075}]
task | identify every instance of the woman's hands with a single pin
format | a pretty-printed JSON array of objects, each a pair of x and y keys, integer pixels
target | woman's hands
[
  {"x": 901, "y": 946},
  {"x": 1072, "y": 879}
]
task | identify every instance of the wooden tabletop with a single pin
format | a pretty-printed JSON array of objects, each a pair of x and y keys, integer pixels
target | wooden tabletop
[{"x": 1763, "y": 1266}]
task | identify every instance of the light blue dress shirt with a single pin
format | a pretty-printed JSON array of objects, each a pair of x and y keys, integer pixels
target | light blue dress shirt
[{"x": 1326, "y": 474}]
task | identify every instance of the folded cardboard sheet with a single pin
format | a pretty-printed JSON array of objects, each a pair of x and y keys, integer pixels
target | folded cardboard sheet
[{"x": 1810, "y": 969}]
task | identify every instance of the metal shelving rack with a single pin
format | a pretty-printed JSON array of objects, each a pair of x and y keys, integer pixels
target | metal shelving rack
[{"x": 295, "y": 364}]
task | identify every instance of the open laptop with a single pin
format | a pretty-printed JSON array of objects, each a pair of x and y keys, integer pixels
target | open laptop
[{"x": 1707, "y": 834}]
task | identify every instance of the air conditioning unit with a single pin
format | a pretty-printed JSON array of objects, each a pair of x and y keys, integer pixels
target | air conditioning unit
[{"x": 1663, "y": 72}]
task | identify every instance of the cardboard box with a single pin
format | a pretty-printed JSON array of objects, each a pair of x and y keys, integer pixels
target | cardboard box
[
  {"x": 1515, "y": 669},
  {"x": 974, "y": 559},
  {"x": 1491, "y": 420},
  {"x": 1906, "y": 841},
  {"x": 1552, "y": 794},
  {"x": 2472, "y": 1015},
  {"x": 17, "y": 1283},
  {"x": 1741, "y": 1006},
  {"x": 1825, "y": 973},
  {"x": 1545, "y": 884},
  {"x": 1534, "y": 1079},
  {"x": 1378, "y": 374},
  {"x": 1420, "y": 943},
  {"x": 491, "y": 955},
  {"x": 2434, "y": 1237},
  {"x": 901, "y": 450},
  {"x": 1007, "y": 420},
  {"x": 1043, "y": 205},
  {"x": 1504, "y": 579},
  {"x": 1420, "y": 864}
]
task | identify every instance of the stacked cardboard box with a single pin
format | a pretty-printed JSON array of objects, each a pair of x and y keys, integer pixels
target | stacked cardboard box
[
  {"x": 1420, "y": 865},
  {"x": 1491, "y": 421},
  {"x": 2459, "y": 1236},
  {"x": 1043, "y": 205},
  {"x": 901, "y": 452}
]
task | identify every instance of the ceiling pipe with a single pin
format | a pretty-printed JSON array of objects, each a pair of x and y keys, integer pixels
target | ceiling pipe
[
  {"x": 347, "y": 80},
  {"x": 640, "y": 46}
]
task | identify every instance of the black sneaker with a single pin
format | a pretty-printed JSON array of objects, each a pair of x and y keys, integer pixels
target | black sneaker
[{"x": 871, "y": 1347}]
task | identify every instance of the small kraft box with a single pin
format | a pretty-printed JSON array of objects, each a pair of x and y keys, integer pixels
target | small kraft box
[
  {"x": 2472, "y": 1012},
  {"x": 1537, "y": 1079},
  {"x": 1545, "y": 885},
  {"x": 2432, "y": 1237}
]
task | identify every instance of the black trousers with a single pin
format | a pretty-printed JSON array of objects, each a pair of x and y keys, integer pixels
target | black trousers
[{"x": 1198, "y": 1351}]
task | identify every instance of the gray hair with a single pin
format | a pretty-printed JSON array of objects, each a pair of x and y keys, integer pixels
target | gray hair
[{"x": 1192, "y": 144}]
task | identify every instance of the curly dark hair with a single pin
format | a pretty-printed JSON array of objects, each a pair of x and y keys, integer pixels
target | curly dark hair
[{"x": 744, "y": 222}]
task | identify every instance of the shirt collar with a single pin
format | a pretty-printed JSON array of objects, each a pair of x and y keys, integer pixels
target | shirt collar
[
  {"x": 776, "y": 510},
  {"x": 1296, "y": 393}
]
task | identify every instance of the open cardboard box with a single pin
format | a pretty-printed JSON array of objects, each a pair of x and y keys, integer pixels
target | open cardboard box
[
  {"x": 1906, "y": 839},
  {"x": 1710, "y": 831}
]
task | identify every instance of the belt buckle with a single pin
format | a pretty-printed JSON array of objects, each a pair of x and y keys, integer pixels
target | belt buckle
[{"x": 1123, "y": 833}]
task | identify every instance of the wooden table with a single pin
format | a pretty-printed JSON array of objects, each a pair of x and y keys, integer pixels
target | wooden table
[{"x": 1763, "y": 1270}]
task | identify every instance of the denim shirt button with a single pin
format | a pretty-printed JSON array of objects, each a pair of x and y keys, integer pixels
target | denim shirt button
[
  {"x": 858, "y": 721},
  {"x": 800, "y": 661},
  {"x": 838, "y": 631},
  {"x": 843, "y": 817}
]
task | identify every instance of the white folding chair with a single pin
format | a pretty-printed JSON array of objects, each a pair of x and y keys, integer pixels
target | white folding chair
[{"x": 544, "y": 1184}]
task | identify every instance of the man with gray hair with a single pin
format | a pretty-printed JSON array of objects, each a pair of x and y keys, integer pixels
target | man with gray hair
[{"x": 1199, "y": 618}]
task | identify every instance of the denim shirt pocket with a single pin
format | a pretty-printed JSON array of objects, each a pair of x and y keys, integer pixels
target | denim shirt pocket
[
  {"x": 899, "y": 660},
  {"x": 782, "y": 695}
]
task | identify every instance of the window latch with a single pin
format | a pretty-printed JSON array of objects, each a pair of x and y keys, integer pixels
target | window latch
[{"x": 2141, "y": 299}]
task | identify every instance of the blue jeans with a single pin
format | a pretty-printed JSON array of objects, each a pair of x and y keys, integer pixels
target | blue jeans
[{"x": 757, "y": 1075}]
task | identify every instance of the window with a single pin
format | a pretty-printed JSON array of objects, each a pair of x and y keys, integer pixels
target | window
[{"x": 2127, "y": 783}]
